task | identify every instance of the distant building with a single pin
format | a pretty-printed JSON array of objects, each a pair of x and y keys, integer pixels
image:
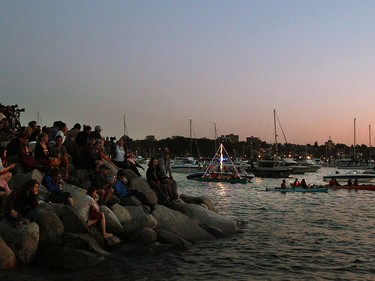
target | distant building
[
  {"x": 231, "y": 138},
  {"x": 150, "y": 138}
]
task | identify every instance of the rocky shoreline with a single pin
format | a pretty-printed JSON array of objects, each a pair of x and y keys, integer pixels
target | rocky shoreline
[{"x": 58, "y": 240}]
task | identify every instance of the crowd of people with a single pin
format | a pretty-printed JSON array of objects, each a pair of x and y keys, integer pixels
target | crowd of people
[{"x": 54, "y": 150}]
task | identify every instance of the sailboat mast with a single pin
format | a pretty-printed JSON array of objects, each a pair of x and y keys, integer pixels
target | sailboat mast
[
  {"x": 191, "y": 142},
  {"x": 125, "y": 128},
  {"x": 215, "y": 136},
  {"x": 369, "y": 140},
  {"x": 274, "y": 124},
  {"x": 354, "y": 138}
]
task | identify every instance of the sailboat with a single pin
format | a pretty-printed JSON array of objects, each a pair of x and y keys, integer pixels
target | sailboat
[
  {"x": 354, "y": 163},
  {"x": 186, "y": 164},
  {"x": 217, "y": 171}
]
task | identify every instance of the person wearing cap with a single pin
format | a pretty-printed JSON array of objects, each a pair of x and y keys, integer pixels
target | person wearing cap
[
  {"x": 97, "y": 132},
  {"x": 104, "y": 182},
  {"x": 165, "y": 170},
  {"x": 122, "y": 191}
]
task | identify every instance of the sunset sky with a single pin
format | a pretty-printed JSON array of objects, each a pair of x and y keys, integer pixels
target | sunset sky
[{"x": 160, "y": 63}]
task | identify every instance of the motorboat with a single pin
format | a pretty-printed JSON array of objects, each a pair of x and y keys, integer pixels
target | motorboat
[
  {"x": 185, "y": 165},
  {"x": 291, "y": 163},
  {"x": 353, "y": 175},
  {"x": 312, "y": 165},
  {"x": 270, "y": 168}
]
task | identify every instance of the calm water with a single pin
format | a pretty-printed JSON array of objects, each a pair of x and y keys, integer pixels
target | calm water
[{"x": 294, "y": 236}]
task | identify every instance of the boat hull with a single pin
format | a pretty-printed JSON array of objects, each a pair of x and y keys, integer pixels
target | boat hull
[
  {"x": 355, "y": 187},
  {"x": 353, "y": 176},
  {"x": 199, "y": 177},
  {"x": 302, "y": 190}
]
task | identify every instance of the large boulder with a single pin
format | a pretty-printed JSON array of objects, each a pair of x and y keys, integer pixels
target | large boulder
[
  {"x": 179, "y": 224},
  {"x": 202, "y": 200},
  {"x": 144, "y": 236},
  {"x": 121, "y": 213},
  {"x": 51, "y": 228},
  {"x": 72, "y": 221},
  {"x": 23, "y": 239},
  {"x": 64, "y": 258},
  {"x": 141, "y": 185},
  {"x": 210, "y": 218},
  {"x": 113, "y": 225},
  {"x": 172, "y": 239},
  {"x": 7, "y": 256},
  {"x": 76, "y": 192},
  {"x": 19, "y": 180},
  {"x": 82, "y": 241},
  {"x": 135, "y": 211},
  {"x": 139, "y": 222}
]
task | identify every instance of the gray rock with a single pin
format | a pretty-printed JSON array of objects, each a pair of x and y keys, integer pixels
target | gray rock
[
  {"x": 130, "y": 201},
  {"x": 179, "y": 224},
  {"x": 76, "y": 191},
  {"x": 176, "y": 241},
  {"x": 139, "y": 222},
  {"x": 51, "y": 228},
  {"x": 113, "y": 225},
  {"x": 135, "y": 211},
  {"x": 121, "y": 213},
  {"x": 67, "y": 258},
  {"x": 82, "y": 241},
  {"x": 112, "y": 241},
  {"x": 72, "y": 221},
  {"x": 8, "y": 259},
  {"x": 210, "y": 218},
  {"x": 144, "y": 236},
  {"x": 199, "y": 201},
  {"x": 23, "y": 239},
  {"x": 19, "y": 180},
  {"x": 141, "y": 185}
]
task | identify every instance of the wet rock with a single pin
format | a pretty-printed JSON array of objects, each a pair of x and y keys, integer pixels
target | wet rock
[
  {"x": 199, "y": 201},
  {"x": 82, "y": 241},
  {"x": 210, "y": 218},
  {"x": 176, "y": 241},
  {"x": 67, "y": 258},
  {"x": 144, "y": 236}
]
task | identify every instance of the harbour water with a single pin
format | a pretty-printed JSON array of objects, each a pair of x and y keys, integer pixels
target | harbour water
[{"x": 293, "y": 236}]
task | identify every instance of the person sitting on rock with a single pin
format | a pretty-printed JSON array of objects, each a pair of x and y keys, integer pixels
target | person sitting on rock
[
  {"x": 163, "y": 192},
  {"x": 5, "y": 169},
  {"x": 27, "y": 160},
  {"x": 22, "y": 203},
  {"x": 122, "y": 191},
  {"x": 166, "y": 176},
  {"x": 103, "y": 182},
  {"x": 59, "y": 151},
  {"x": 15, "y": 144},
  {"x": 88, "y": 210},
  {"x": 90, "y": 158},
  {"x": 4, "y": 192},
  {"x": 53, "y": 182}
]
